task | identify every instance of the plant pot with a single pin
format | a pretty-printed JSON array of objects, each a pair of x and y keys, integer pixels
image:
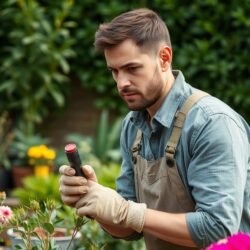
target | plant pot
[
  {"x": 19, "y": 173},
  {"x": 61, "y": 241}
]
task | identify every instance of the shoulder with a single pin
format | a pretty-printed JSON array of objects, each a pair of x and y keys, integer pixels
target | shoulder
[
  {"x": 210, "y": 108},
  {"x": 211, "y": 117}
]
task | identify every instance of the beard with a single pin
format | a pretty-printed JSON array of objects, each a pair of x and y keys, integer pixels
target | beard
[
  {"x": 143, "y": 105},
  {"x": 150, "y": 97}
]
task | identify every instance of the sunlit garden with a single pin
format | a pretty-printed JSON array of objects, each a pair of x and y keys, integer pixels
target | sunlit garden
[{"x": 46, "y": 51}]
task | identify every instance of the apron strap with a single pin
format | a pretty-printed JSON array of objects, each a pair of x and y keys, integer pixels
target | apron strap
[
  {"x": 136, "y": 146},
  {"x": 180, "y": 117}
]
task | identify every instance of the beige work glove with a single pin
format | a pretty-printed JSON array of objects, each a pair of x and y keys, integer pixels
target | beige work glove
[
  {"x": 72, "y": 187},
  {"x": 107, "y": 206}
]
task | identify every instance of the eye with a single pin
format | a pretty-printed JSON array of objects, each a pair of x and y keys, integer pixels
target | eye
[{"x": 132, "y": 69}]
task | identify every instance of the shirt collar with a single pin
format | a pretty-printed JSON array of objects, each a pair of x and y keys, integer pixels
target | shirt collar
[{"x": 166, "y": 112}]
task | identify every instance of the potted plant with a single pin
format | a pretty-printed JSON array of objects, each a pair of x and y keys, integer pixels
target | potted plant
[
  {"x": 21, "y": 162},
  {"x": 41, "y": 157},
  {"x": 40, "y": 225}
]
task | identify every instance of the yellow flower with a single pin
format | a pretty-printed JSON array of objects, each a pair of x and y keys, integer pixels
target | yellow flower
[
  {"x": 34, "y": 152},
  {"x": 41, "y": 155},
  {"x": 50, "y": 154}
]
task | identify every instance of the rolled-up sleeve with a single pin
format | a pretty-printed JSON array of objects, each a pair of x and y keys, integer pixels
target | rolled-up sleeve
[{"x": 217, "y": 174}]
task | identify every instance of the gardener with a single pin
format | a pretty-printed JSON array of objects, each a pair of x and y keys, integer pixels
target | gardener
[{"x": 184, "y": 183}]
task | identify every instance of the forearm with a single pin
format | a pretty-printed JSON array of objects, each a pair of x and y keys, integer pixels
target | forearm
[
  {"x": 117, "y": 231},
  {"x": 168, "y": 227}
]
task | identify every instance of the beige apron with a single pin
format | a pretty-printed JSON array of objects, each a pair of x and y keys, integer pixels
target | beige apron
[{"x": 158, "y": 183}]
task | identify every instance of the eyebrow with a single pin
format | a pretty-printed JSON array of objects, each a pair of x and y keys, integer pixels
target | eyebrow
[{"x": 126, "y": 65}]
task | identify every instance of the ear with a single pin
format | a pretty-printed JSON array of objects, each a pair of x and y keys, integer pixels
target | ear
[{"x": 165, "y": 57}]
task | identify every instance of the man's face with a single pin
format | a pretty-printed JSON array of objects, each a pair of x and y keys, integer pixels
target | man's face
[{"x": 137, "y": 74}]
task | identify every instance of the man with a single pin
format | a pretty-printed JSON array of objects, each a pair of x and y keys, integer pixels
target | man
[{"x": 185, "y": 179}]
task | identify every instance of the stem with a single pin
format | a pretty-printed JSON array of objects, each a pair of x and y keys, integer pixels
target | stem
[
  {"x": 79, "y": 223},
  {"x": 73, "y": 237}
]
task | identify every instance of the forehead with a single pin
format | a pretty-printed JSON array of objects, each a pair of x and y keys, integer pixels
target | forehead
[{"x": 124, "y": 53}]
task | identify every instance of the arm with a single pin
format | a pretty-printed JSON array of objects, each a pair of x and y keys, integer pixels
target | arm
[
  {"x": 117, "y": 231},
  {"x": 73, "y": 188},
  {"x": 155, "y": 224},
  {"x": 217, "y": 172},
  {"x": 168, "y": 227}
]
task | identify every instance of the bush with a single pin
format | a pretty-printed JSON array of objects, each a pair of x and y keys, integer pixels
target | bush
[
  {"x": 38, "y": 188},
  {"x": 34, "y": 49}
]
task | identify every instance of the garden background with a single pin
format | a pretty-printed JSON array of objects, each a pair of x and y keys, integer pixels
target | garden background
[{"x": 55, "y": 88}]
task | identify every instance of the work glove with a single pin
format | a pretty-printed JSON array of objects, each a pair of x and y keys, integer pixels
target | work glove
[
  {"x": 107, "y": 206},
  {"x": 72, "y": 187}
]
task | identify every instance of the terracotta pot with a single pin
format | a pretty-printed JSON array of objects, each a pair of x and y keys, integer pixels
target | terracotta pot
[{"x": 19, "y": 173}]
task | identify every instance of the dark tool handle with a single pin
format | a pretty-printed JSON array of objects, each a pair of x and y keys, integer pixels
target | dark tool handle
[{"x": 74, "y": 158}]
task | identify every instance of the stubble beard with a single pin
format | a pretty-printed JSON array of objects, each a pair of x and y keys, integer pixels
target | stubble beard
[{"x": 144, "y": 103}]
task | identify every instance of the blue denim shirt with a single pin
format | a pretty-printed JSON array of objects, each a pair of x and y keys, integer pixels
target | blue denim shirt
[{"x": 213, "y": 159}]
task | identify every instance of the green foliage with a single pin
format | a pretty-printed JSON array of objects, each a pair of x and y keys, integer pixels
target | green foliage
[
  {"x": 97, "y": 238},
  {"x": 106, "y": 145},
  {"x": 107, "y": 174},
  {"x": 35, "y": 49},
  {"x": 39, "y": 189},
  {"x": 20, "y": 145},
  {"x": 6, "y": 137}
]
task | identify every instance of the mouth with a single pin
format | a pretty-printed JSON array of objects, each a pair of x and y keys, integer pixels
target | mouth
[{"x": 129, "y": 95}]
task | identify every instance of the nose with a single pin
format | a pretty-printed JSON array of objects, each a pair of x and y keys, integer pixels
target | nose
[{"x": 122, "y": 81}]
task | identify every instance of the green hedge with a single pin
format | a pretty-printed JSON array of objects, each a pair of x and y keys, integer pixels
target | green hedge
[
  {"x": 38, "y": 51},
  {"x": 35, "y": 47}
]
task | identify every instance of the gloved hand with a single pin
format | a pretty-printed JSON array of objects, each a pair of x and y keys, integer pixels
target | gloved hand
[
  {"x": 72, "y": 187},
  {"x": 107, "y": 206}
]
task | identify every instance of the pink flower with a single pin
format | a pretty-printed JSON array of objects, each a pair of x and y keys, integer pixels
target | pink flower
[
  {"x": 237, "y": 241},
  {"x": 5, "y": 214}
]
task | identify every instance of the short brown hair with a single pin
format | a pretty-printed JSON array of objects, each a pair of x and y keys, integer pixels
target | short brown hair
[{"x": 143, "y": 26}]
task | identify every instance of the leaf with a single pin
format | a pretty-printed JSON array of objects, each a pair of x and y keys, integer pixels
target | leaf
[
  {"x": 48, "y": 227},
  {"x": 58, "y": 97},
  {"x": 19, "y": 247},
  {"x": 5, "y": 85},
  {"x": 35, "y": 248}
]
